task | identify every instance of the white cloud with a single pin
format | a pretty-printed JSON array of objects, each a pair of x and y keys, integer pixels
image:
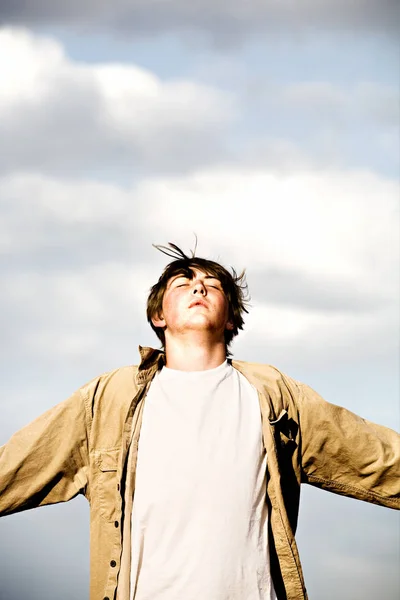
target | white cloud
[
  {"x": 324, "y": 223},
  {"x": 320, "y": 245},
  {"x": 25, "y": 66},
  {"x": 321, "y": 250},
  {"x": 61, "y": 115},
  {"x": 302, "y": 338},
  {"x": 119, "y": 121}
]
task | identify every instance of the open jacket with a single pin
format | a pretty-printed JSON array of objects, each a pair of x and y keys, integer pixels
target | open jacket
[{"x": 88, "y": 444}]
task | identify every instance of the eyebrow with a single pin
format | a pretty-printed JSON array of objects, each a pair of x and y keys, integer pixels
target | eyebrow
[{"x": 187, "y": 277}]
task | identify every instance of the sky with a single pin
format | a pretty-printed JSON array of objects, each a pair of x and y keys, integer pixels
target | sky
[{"x": 271, "y": 131}]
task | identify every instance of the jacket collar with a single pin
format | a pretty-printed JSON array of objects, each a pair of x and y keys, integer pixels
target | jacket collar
[{"x": 151, "y": 361}]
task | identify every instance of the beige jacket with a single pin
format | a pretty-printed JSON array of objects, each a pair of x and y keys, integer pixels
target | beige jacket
[{"x": 88, "y": 444}]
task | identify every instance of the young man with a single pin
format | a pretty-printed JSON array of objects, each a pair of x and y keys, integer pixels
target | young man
[{"x": 191, "y": 462}]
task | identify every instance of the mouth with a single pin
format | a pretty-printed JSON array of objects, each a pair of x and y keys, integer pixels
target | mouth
[{"x": 197, "y": 303}]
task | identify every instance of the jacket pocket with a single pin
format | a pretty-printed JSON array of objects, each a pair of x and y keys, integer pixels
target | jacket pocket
[
  {"x": 107, "y": 462},
  {"x": 285, "y": 431}
]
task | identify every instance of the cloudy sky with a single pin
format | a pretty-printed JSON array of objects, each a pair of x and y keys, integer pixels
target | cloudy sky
[{"x": 269, "y": 129}]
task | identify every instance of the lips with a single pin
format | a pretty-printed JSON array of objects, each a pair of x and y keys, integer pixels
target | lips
[{"x": 197, "y": 303}]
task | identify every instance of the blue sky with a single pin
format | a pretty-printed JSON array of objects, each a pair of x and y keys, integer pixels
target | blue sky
[{"x": 272, "y": 131}]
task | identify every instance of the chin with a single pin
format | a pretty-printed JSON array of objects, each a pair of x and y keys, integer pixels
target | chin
[{"x": 200, "y": 324}]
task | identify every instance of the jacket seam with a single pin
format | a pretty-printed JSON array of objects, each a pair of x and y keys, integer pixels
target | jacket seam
[
  {"x": 353, "y": 489},
  {"x": 85, "y": 463}
]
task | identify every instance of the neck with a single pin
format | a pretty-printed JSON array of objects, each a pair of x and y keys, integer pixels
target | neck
[{"x": 194, "y": 355}]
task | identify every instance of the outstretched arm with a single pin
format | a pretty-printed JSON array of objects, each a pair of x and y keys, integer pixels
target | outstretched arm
[
  {"x": 345, "y": 454},
  {"x": 46, "y": 461}
]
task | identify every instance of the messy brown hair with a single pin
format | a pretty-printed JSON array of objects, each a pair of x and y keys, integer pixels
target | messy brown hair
[{"x": 233, "y": 285}]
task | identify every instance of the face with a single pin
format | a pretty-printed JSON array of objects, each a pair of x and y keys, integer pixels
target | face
[{"x": 197, "y": 304}]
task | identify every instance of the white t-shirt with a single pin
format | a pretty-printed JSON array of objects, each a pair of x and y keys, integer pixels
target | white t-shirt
[{"x": 200, "y": 520}]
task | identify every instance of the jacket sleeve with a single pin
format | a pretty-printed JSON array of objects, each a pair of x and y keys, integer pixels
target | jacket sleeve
[
  {"x": 345, "y": 454},
  {"x": 46, "y": 461}
]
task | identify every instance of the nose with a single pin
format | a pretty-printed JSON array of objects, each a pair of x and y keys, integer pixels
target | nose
[{"x": 199, "y": 288}]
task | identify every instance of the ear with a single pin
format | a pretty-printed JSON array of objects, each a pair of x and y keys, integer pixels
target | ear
[
  {"x": 230, "y": 326},
  {"x": 158, "y": 321}
]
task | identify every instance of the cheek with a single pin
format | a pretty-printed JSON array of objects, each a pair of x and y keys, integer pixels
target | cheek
[
  {"x": 170, "y": 305},
  {"x": 225, "y": 305}
]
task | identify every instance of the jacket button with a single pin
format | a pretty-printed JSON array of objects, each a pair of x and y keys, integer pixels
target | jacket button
[
  {"x": 116, "y": 524},
  {"x": 106, "y": 598},
  {"x": 113, "y": 563}
]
